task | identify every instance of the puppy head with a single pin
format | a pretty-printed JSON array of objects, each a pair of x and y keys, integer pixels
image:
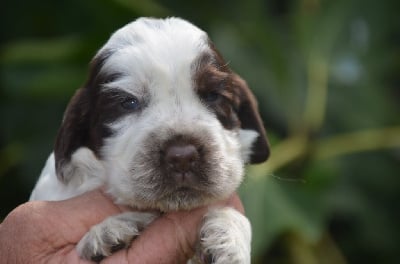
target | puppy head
[{"x": 162, "y": 118}]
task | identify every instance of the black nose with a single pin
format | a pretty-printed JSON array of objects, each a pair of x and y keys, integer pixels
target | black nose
[{"x": 181, "y": 160}]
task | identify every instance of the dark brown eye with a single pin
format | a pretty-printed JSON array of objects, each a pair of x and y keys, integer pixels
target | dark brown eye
[
  {"x": 131, "y": 104},
  {"x": 211, "y": 97}
]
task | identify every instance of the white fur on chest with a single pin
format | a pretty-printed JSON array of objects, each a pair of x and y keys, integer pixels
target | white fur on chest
[{"x": 90, "y": 175}]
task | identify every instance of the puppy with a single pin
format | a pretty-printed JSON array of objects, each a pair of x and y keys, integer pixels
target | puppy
[{"x": 163, "y": 124}]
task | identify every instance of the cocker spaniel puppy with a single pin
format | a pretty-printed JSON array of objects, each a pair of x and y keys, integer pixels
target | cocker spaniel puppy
[{"x": 163, "y": 124}]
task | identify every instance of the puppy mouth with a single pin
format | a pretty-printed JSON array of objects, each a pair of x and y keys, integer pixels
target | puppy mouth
[{"x": 184, "y": 191}]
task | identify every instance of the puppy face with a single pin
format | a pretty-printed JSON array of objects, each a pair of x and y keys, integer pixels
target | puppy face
[{"x": 169, "y": 125}]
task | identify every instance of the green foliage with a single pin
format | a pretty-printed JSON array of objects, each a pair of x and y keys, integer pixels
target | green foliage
[{"x": 326, "y": 74}]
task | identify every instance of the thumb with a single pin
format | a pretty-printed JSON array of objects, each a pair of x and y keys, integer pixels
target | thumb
[
  {"x": 77, "y": 215},
  {"x": 51, "y": 229}
]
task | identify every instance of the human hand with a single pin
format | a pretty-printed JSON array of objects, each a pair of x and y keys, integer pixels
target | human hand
[{"x": 47, "y": 232}]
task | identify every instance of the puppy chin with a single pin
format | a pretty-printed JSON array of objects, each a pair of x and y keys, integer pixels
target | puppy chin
[
  {"x": 182, "y": 201},
  {"x": 184, "y": 198}
]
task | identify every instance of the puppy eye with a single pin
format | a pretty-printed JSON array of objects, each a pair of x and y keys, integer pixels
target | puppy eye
[
  {"x": 211, "y": 97},
  {"x": 131, "y": 103}
]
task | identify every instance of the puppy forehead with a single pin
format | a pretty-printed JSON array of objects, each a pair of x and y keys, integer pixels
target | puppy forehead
[{"x": 154, "y": 50}]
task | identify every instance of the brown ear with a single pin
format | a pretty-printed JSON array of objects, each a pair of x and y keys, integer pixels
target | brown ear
[
  {"x": 74, "y": 131},
  {"x": 78, "y": 128},
  {"x": 250, "y": 119}
]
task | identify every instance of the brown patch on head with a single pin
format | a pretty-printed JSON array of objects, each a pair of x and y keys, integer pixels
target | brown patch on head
[
  {"x": 86, "y": 115},
  {"x": 229, "y": 97},
  {"x": 213, "y": 84}
]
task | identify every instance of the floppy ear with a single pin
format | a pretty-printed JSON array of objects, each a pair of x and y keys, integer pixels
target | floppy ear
[
  {"x": 76, "y": 130},
  {"x": 73, "y": 133},
  {"x": 250, "y": 120}
]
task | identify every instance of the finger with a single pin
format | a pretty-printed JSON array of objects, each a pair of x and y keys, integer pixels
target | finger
[
  {"x": 72, "y": 218},
  {"x": 236, "y": 203}
]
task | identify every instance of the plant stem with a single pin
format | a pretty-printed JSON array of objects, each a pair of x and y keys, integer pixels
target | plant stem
[{"x": 295, "y": 147}]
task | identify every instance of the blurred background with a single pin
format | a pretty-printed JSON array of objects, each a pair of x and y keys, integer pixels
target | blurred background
[{"x": 327, "y": 77}]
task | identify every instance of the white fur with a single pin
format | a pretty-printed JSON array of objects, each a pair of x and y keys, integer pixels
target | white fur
[
  {"x": 84, "y": 165},
  {"x": 145, "y": 48},
  {"x": 247, "y": 138},
  {"x": 153, "y": 59},
  {"x": 113, "y": 230},
  {"x": 226, "y": 236}
]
